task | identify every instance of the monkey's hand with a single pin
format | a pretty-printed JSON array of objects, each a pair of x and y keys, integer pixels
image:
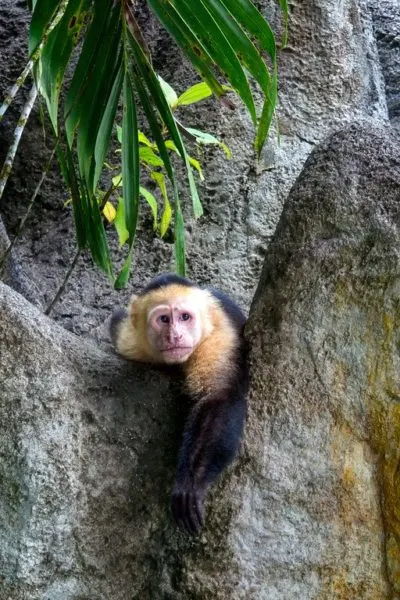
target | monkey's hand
[
  {"x": 210, "y": 441},
  {"x": 188, "y": 506}
]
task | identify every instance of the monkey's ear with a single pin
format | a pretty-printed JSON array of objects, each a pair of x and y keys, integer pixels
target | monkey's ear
[{"x": 133, "y": 308}]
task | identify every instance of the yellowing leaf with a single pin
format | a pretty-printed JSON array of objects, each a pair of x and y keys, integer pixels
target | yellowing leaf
[
  {"x": 109, "y": 212},
  {"x": 159, "y": 178},
  {"x": 171, "y": 146},
  {"x": 117, "y": 180},
  {"x": 195, "y": 163},
  {"x": 119, "y": 223},
  {"x": 166, "y": 218}
]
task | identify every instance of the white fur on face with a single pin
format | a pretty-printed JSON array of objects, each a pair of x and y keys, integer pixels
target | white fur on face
[{"x": 175, "y": 327}]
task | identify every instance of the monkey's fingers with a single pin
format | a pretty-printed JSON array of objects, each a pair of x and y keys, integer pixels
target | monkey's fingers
[
  {"x": 187, "y": 510},
  {"x": 194, "y": 511}
]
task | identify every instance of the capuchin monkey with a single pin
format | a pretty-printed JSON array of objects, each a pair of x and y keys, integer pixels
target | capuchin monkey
[{"x": 174, "y": 321}]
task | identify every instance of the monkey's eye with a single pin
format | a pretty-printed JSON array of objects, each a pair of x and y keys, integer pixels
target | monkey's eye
[
  {"x": 185, "y": 316},
  {"x": 164, "y": 319}
]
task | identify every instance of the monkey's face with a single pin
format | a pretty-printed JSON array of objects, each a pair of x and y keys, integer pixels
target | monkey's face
[{"x": 174, "y": 330}]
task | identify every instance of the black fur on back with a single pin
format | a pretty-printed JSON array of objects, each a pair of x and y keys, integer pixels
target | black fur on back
[{"x": 233, "y": 311}]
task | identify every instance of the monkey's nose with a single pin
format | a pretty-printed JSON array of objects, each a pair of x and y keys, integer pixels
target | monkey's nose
[{"x": 174, "y": 336}]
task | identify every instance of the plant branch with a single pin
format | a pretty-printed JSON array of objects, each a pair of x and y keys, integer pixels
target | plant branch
[
  {"x": 14, "y": 89},
  {"x": 9, "y": 160},
  {"x": 64, "y": 283},
  {"x": 34, "y": 58},
  {"x": 28, "y": 210}
]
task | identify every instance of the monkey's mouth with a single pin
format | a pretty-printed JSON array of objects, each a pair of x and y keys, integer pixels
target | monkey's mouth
[
  {"x": 176, "y": 349},
  {"x": 176, "y": 354}
]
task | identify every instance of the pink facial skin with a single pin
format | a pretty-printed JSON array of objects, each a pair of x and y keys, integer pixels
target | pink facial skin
[{"x": 174, "y": 330}]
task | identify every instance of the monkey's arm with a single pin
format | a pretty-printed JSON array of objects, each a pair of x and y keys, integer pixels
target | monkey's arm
[{"x": 210, "y": 441}]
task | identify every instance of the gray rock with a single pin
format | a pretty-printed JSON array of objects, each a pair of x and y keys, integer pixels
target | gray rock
[
  {"x": 321, "y": 495},
  {"x": 88, "y": 448},
  {"x": 386, "y": 19},
  {"x": 88, "y": 442},
  {"x": 11, "y": 272}
]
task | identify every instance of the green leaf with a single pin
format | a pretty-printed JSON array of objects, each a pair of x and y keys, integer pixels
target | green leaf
[
  {"x": 190, "y": 161},
  {"x": 119, "y": 134},
  {"x": 152, "y": 202},
  {"x": 218, "y": 47},
  {"x": 43, "y": 13},
  {"x": 179, "y": 232},
  {"x": 79, "y": 205},
  {"x": 190, "y": 44},
  {"x": 194, "y": 94},
  {"x": 95, "y": 230},
  {"x": 159, "y": 178},
  {"x": 169, "y": 92},
  {"x": 144, "y": 140},
  {"x": 267, "y": 114},
  {"x": 206, "y": 138},
  {"x": 158, "y": 97},
  {"x": 149, "y": 77},
  {"x": 166, "y": 217},
  {"x": 106, "y": 125},
  {"x": 56, "y": 54},
  {"x": 285, "y": 9},
  {"x": 197, "y": 207},
  {"x": 147, "y": 105},
  {"x": 102, "y": 88},
  {"x": 123, "y": 276},
  {"x": 130, "y": 159},
  {"x": 196, "y": 164},
  {"x": 252, "y": 21},
  {"x": 149, "y": 157},
  {"x": 240, "y": 42},
  {"x": 117, "y": 180},
  {"x": 172, "y": 146},
  {"x": 88, "y": 220},
  {"x": 119, "y": 223},
  {"x": 96, "y": 70}
]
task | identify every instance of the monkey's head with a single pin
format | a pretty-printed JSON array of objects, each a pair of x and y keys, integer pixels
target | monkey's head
[{"x": 172, "y": 321}]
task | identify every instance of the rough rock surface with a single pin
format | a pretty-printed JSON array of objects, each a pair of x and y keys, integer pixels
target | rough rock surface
[
  {"x": 87, "y": 447},
  {"x": 322, "y": 492},
  {"x": 329, "y": 73},
  {"x": 310, "y": 510},
  {"x": 11, "y": 272},
  {"x": 386, "y": 20}
]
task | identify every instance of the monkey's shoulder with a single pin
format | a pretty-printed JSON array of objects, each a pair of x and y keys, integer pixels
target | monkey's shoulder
[{"x": 233, "y": 310}]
